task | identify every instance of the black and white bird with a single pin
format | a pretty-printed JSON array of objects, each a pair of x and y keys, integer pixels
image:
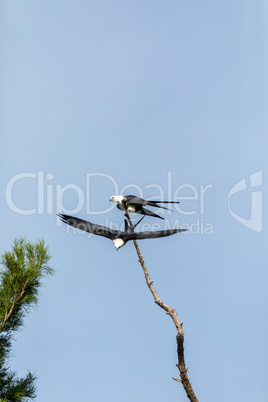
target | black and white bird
[
  {"x": 133, "y": 204},
  {"x": 117, "y": 236}
]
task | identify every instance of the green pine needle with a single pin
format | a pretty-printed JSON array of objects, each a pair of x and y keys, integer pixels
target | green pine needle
[{"x": 20, "y": 280}]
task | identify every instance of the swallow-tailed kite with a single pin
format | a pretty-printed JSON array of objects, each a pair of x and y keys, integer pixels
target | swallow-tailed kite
[
  {"x": 118, "y": 237},
  {"x": 133, "y": 204}
]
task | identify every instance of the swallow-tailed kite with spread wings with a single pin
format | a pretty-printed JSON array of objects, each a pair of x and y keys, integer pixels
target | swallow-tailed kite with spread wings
[
  {"x": 118, "y": 237},
  {"x": 133, "y": 204}
]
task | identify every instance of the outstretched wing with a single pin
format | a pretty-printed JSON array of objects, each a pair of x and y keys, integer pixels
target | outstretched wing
[
  {"x": 89, "y": 227},
  {"x": 155, "y": 234}
]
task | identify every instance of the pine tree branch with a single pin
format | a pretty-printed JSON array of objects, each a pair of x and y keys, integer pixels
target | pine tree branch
[
  {"x": 14, "y": 304},
  {"x": 21, "y": 277},
  {"x": 17, "y": 301},
  {"x": 174, "y": 316},
  {"x": 20, "y": 280}
]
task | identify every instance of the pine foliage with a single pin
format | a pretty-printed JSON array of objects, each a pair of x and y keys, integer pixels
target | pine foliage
[{"x": 20, "y": 280}]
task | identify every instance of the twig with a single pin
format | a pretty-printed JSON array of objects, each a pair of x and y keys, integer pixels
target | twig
[{"x": 180, "y": 334}]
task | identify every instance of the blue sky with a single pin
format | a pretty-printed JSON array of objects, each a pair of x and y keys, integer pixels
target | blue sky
[{"x": 162, "y": 99}]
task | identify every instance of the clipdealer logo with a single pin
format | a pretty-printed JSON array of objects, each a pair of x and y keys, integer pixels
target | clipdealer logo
[
  {"x": 254, "y": 222},
  {"x": 49, "y": 197}
]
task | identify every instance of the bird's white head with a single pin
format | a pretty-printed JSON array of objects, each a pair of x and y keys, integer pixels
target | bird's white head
[
  {"x": 118, "y": 243},
  {"x": 117, "y": 198}
]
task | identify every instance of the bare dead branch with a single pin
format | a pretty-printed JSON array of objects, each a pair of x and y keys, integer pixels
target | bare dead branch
[{"x": 174, "y": 316}]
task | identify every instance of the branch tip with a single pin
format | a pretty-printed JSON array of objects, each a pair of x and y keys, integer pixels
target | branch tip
[{"x": 177, "y": 379}]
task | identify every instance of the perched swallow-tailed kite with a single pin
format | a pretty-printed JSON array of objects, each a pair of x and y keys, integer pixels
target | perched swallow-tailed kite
[
  {"x": 118, "y": 237},
  {"x": 133, "y": 204}
]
